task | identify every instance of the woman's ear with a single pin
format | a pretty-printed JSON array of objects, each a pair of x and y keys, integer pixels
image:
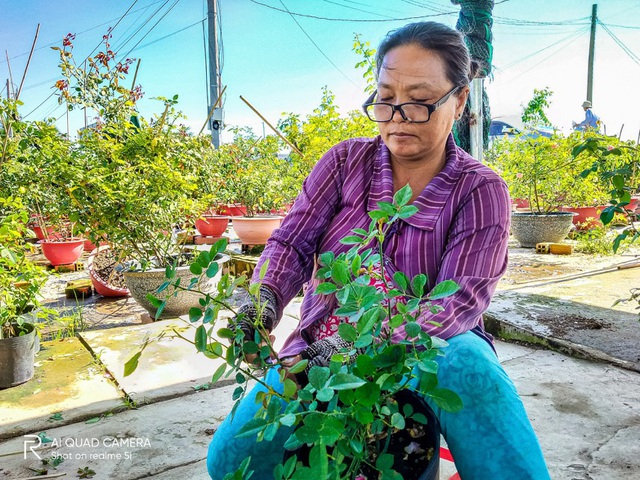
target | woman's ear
[{"x": 461, "y": 101}]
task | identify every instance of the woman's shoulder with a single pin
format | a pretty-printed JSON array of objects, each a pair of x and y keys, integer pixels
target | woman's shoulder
[{"x": 471, "y": 166}]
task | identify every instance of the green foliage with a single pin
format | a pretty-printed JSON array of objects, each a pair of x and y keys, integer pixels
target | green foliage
[
  {"x": 367, "y": 63},
  {"x": 544, "y": 171},
  {"x": 20, "y": 279},
  {"x": 252, "y": 173},
  {"x": 321, "y": 130},
  {"x": 353, "y": 399},
  {"x": 534, "y": 114}
]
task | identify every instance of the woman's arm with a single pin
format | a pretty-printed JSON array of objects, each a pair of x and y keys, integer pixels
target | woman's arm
[
  {"x": 292, "y": 247},
  {"x": 475, "y": 257}
]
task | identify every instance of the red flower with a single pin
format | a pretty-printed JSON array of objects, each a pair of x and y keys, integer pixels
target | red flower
[
  {"x": 62, "y": 84},
  {"x": 66, "y": 41}
]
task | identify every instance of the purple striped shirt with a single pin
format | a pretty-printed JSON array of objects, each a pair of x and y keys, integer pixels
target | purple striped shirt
[{"x": 459, "y": 233}]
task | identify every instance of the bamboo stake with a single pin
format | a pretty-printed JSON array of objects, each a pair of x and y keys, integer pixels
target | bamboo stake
[
  {"x": 6, "y": 54},
  {"x": 51, "y": 475},
  {"x": 135, "y": 74},
  {"x": 26, "y": 68},
  {"x": 215, "y": 105},
  {"x": 272, "y": 127}
]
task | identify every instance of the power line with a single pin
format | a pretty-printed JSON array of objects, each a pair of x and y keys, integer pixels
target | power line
[
  {"x": 620, "y": 43},
  {"x": 318, "y": 48},
  {"x": 622, "y": 26},
  {"x": 151, "y": 29},
  {"x": 316, "y": 17},
  {"x": 356, "y": 9},
  {"x": 111, "y": 29},
  {"x": 168, "y": 35},
  {"x": 526, "y": 57},
  {"x": 130, "y": 37}
]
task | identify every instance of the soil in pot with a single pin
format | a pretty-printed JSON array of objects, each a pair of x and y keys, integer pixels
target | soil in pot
[{"x": 107, "y": 281}]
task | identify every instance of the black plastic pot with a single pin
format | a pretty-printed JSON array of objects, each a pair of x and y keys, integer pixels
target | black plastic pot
[
  {"x": 431, "y": 439},
  {"x": 17, "y": 357}
]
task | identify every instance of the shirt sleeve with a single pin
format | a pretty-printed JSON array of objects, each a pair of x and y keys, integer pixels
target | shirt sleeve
[
  {"x": 475, "y": 257},
  {"x": 292, "y": 247}
]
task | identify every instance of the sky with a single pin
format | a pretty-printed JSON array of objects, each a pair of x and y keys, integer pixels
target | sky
[{"x": 279, "y": 54}]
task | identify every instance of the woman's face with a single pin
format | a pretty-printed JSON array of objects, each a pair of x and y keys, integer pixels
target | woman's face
[{"x": 410, "y": 73}]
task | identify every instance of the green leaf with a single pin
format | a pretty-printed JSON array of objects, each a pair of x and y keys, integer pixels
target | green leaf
[
  {"x": 155, "y": 301},
  {"x": 343, "y": 381},
  {"x": 263, "y": 269},
  {"x": 326, "y": 288},
  {"x": 356, "y": 263},
  {"x": 407, "y": 211},
  {"x": 618, "y": 181},
  {"x": 318, "y": 376},
  {"x": 397, "y": 421},
  {"x": 218, "y": 373},
  {"x": 387, "y": 208},
  {"x": 212, "y": 270},
  {"x": 347, "y": 332},
  {"x": 351, "y": 240},
  {"x": 209, "y": 315},
  {"x": 446, "y": 399},
  {"x": 194, "y": 314},
  {"x": 226, "y": 333},
  {"x": 288, "y": 420},
  {"x": 444, "y": 289},
  {"x": 340, "y": 273},
  {"x": 252, "y": 427},
  {"x": 131, "y": 364},
  {"x": 201, "y": 338},
  {"x": 360, "y": 231},
  {"x": 195, "y": 268},
  {"x": 403, "y": 195},
  {"x": 325, "y": 394},
  {"x": 401, "y": 280},
  {"x": 170, "y": 272},
  {"x": 290, "y": 388},
  {"x": 606, "y": 216},
  {"x": 365, "y": 365},
  {"x": 298, "y": 367},
  {"x": 364, "y": 340},
  {"x": 306, "y": 434},
  {"x": 412, "y": 329},
  {"x": 327, "y": 258},
  {"x": 378, "y": 215},
  {"x": 418, "y": 283},
  {"x": 384, "y": 462}
]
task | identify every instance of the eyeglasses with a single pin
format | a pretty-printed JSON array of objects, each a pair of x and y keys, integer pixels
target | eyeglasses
[{"x": 411, "y": 112}]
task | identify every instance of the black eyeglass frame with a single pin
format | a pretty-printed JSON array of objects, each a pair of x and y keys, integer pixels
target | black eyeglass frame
[{"x": 431, "y": 107}]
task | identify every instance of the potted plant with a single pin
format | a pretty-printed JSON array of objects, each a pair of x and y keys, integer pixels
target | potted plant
[
  {"x": 536, "y": 169},
  {"x": 253, "y": 174},
  {"x": 131, "y": 180},
  {"x": 349, "y": 413},
  {"x": 20, "y": 282}
]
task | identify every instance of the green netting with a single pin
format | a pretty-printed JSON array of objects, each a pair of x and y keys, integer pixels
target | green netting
[{"x": 475, "y": 22}]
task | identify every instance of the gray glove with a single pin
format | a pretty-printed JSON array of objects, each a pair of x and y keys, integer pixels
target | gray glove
[
  {"x": 319, "y": 354},
  {"x": 250, "y": 319}
]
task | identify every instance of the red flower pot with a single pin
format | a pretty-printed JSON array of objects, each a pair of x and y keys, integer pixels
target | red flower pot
[
  {"x": 233, "y": 210},
  {"x": 212, "y": 225},
  {"x": 521, "y": 202},
  {"x": 587, "y": 217},
  {"x": 62, "y": 252},
  {"x": 100, "y": 285},
  {"x": 52, "y": 232}
]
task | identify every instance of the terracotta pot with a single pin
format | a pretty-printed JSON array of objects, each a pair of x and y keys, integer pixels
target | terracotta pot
[
  {"x": 586, "y": 217},
  {"x": 62, "y": 252},
  {"x": 101, "y": 286},
  {"x": 212, "y": 225},
  {"x": 634, "y": 203},
  {"x": 255, "y": 230},
  {"x": 521, "y": 203}
]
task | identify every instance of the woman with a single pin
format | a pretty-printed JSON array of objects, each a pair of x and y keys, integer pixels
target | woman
[{"x": 460, "y": 233}]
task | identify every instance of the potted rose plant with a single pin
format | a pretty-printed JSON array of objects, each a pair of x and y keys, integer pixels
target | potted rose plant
[
  {"x": 349, "y": 413},
  {"x": 253, "y": 178},
  {"x": 132, "y": 181}
]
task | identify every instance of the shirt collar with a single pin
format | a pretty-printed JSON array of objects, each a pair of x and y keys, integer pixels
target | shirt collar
[{"x": 433, "y": 198}]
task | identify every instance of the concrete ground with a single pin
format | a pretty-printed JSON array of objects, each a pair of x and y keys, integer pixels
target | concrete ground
[{"x": 158, "y": 422}]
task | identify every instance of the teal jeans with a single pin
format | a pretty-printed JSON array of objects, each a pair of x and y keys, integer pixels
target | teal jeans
[{"x": 490, "y": 438}]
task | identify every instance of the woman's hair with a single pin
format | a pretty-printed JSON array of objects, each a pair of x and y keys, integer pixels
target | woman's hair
[{"x": 445, "y": 41}]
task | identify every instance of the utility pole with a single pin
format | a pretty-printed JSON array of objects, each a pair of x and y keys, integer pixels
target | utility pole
[
  {"x": 215, "y": 123},
  {"x": 592, "y": 51}
]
